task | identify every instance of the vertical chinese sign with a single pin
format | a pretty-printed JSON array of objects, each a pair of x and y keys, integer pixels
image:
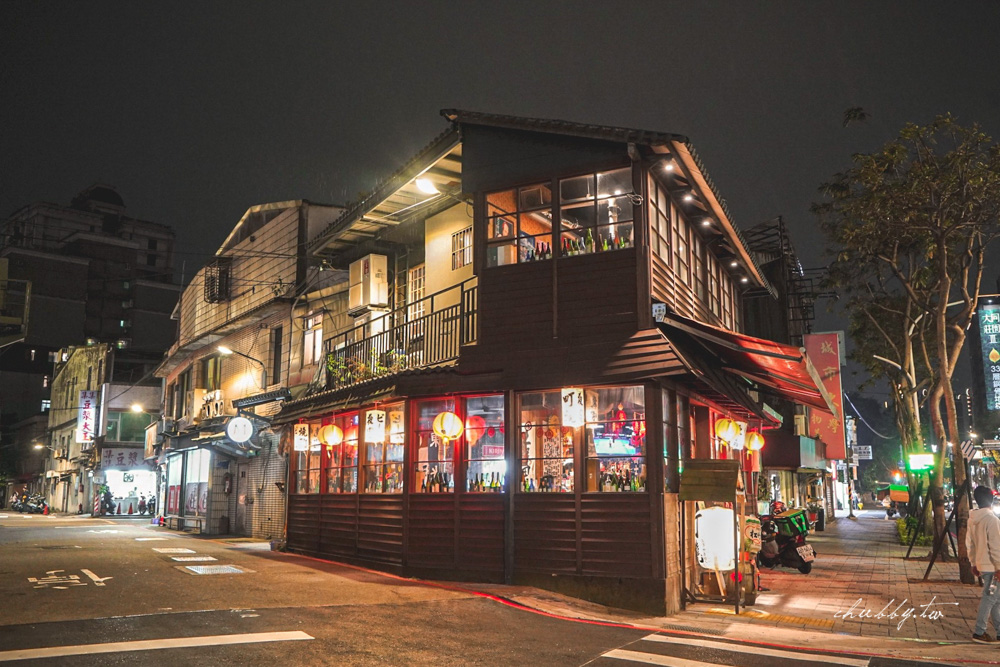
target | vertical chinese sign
[
  {"x": 86, "y": 416},
  {"x": 823, "y": 351},
  {"x": 989, "y": 337}
]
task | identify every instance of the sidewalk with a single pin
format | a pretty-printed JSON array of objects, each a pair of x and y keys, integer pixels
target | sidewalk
[{"x": 859, "y": 564}]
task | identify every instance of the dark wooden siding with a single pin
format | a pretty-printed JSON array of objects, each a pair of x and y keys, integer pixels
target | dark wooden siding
[
  {"x": 615, "y": 535},
  {"x": 677, "y": 295},
  {"x": 380, "y": 527},
  {"x": 597, "y": 297},
  {"x": 481, "y": 533},
  {"x": 431, "y": 536},
  {"x": 545, "y": 533},
  {"x": 347, "y": 526},
  {"x": 304, "y": 522},
  {"x": 338, "y": 525}
]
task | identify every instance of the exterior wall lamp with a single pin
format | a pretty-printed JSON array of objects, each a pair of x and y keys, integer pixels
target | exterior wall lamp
[{"x": 225, "y": 351}]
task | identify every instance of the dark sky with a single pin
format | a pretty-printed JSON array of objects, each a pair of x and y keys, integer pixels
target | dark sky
[{"x": 198, "y": 110}]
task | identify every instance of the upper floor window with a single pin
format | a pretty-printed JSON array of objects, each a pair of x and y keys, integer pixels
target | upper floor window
[
  {"x": 211, "y": 373},
  {"x": 596, "y": 212},
  {"x": 660, "y": 210},
  {"x": 519, "y": 225},
  {"x": 682, "y": 261},
  {"x": 312, "y": 340},
  {"x": 217, "y": 279},
  {"x": 461, "y": 248}
]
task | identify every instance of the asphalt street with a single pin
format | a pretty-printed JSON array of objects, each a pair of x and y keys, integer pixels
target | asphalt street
[{"x": 81, "y": 591}]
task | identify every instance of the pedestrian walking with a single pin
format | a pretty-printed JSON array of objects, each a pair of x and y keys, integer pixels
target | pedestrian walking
[{"x": 983, "y": 543}]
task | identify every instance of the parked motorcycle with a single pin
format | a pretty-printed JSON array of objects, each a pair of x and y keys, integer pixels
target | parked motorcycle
[
  {"x": 34, "y": 504},
  {"x": 783, "y": 540}
]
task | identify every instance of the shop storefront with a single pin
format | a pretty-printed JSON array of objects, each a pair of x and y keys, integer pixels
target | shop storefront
[
  {"x": 129, "y": 480},
  {"x": 188, "y": 475}
]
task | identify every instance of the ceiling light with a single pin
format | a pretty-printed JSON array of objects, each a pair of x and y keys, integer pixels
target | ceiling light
[
  {"x": 744, "y": 279},
  {"x": 689, "y": 197},
  {"x": 707, "y": 222},
  {"x": 224, "y": 350},
  {"x": 425, "y": 186},
  {"x": 734, "y": 263},
  {"x": 669, "y": 166}
]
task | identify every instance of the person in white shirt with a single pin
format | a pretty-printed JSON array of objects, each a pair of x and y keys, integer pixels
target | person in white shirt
[{"x": 983, "y": 543}]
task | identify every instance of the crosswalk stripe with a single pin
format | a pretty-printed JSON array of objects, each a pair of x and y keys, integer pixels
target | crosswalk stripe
[
  {"x": 759, "y": 650},
  {"x": 653, "y": 659},
  {"x": 151, "y": 645}
]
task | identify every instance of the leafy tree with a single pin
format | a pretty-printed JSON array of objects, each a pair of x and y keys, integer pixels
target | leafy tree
[{"x": 919, "y": 214}]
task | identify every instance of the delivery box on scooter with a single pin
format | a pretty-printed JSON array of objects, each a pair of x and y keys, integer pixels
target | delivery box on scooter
[{"x": 792, "y": 523}]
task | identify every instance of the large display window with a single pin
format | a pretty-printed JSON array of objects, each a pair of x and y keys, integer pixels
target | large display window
[
  {"x": 175, "y": 469},
  {"x": 341, "y": 443},
  {"x": 596, "y": 212},
  {"x": 308, "y": 458},
  {"x": 196, "y": 475},
  {"x": 519, "y": 225},
  {"x": 616, "y": 439},
  {"x": 484, "y": 444},
  {"x": 384, "y": 438},
  {"x": 434, "y": 460},
  {"x": 546, "y": 447}
]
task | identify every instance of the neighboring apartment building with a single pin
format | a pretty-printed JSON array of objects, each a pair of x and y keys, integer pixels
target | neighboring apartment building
[
  {"x": 96, "y": 432},
  {"x": 98, "y": 275},
  {"x": 539, "y": 326},
  {"x": 242, "y": 327}
]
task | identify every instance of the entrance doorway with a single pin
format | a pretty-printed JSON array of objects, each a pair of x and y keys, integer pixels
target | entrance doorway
[{"x": 244, "y": 501}]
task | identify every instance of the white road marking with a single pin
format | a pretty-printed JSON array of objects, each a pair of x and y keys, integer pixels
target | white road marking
[
  {"x": 652, "y": 659},
  {"x": 759, "y": 650},
  {"x": 193, "y": 559},
  {"x": 149, "y": 539},
  {"x": 98, "y": 581},
  {"x": 174, "y": 550},
  {"x": 102, "y": 531},
  {"x": 150, "y": 645},
  {"x": 4, "y": 516}
]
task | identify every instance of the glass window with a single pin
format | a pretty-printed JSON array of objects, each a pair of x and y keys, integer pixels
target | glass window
[
  {"x": 461, "y": 248},
  {"x": 484, "y": 438},
  {"x": 127, "y": 426},
  {"x": 174, "y": 465},
  {"x": 519, "y": 225},
  {"x": 697, "y": 267},
  {"x": 211, "y": 373},
  {"x": 682, "y": 262},
  {"x": 196, "y": 482},
  {"x": 342, "y": 457},
  {"x": 616, "y": 439},
  {"x": 714, "y": 302},
  {"x": 546, "y": 447},
  {"x": 308, "y": 464},
  {"x": 384, "y": 438},
  {"x": 434, "y": 456},
  {"x": 596, "y": 212},
  {"x": 312, "y": 340}
]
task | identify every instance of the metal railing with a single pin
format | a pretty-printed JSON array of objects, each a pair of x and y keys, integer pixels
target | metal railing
[{"x": 450, "y": 321}]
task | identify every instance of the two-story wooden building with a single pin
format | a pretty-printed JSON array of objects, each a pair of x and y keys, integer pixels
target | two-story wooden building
[{"x": 505, "y": 406}]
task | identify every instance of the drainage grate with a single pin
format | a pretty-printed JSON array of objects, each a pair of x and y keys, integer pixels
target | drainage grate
[
  {"x": 192, "y": 559},
  {"x": 174, "y": 551},
  {"x": 213, "y": 569}
]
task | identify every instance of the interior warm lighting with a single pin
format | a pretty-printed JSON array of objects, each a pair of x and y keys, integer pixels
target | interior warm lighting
[
  {"x": 224, "y": 350},
  {"x": 689, "y": 197},
  {"x": 744, "y": 279},
  {"x": 331, "y": 434},
  {"x": 669, "y": 166},
  {"x": 425, "y": 186},
  {"x": 136, "y": 407},
  {"x": 725, "y": 429},
  {"x": 755, "y": 441},
  {"x": 447, "y": 425},
  {"x": 734, "y": 263},
  {"x": 707, "y": 222}
]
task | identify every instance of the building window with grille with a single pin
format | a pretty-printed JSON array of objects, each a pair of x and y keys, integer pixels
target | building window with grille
[
  {"x": 461, "y": 248},
  {"x": 211, "y": 370},
  {"x": 312, "y": 340}
]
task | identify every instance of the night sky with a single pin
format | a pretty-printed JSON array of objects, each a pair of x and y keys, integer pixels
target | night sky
[{"x": 196, "y": 111}]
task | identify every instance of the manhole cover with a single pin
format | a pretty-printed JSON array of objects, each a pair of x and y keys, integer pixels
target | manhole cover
[
  {"x": 192, "y": 559},
  {"x": 213, "y": 569},
  {"x": 174, "y": 550}
]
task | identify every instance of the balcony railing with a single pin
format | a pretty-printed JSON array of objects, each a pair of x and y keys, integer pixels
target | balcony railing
[{"x": 406, "y": 342}]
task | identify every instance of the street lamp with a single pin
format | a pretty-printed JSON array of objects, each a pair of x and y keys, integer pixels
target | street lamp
[{"x": 263, "y": 369}]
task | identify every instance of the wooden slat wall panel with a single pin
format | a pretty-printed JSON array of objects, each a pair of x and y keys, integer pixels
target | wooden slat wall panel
[
  {"x": 303, "y": 522},
  {"x": 380, "y": 527},
  {"x": 339, "y": 525},
  {"x": 544, "y": 533},
  {"x": 616, "y": 535},
  {"x": 431, "y": 534},
  {"x": 679, "y": 296},
  {"x": 597, "y": 296},
  {"x": 481, "y": 533}
]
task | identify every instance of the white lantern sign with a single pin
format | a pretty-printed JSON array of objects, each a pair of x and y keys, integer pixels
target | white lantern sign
[
  {"x": 300, "y": 437},
  {"x": 715, "y": 538},
  {"x": 375, "y": 426},
  {"x": 572, "y": 407}
]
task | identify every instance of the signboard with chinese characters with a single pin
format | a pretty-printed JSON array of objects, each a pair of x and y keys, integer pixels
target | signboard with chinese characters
[
  {"x": 989, "y": 340},
  {"x": 823, "y": 351},
  {"x": 114, "y": 458},
  {"x": 300, "y": 438},
  {"x": 572, "y": 407},
  {"x": 863, "y": 452},
  {"x": 86, "y": 416},
  {"x": 375, "y": 426}
]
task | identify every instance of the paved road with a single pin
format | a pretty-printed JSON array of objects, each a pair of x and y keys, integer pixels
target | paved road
[{"x": 80, "y": 591}]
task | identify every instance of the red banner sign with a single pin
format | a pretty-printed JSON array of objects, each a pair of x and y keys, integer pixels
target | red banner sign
[{"x": 823, "y": 351}]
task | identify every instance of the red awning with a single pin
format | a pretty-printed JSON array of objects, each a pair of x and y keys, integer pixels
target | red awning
[{"x": 780, "y": 369}]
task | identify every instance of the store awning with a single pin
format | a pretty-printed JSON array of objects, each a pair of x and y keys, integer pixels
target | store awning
[{"x": 779, "y": 369}]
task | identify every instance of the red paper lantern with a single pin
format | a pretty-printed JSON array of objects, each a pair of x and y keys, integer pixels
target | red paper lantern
[{"x": 475, "y": 427}]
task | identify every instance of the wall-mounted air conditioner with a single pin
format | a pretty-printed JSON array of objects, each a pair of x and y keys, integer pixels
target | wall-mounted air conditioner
[
  {"x": 372, "y": 323},
  {"x": 214, "y": 404},
  {"x": 368, "y": 279}
]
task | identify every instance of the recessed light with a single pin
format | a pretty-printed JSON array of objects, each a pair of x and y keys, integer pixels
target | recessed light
[
  {"x": 744, "y": 279},
  {"x": 426, "y": 186},
  {"x": 669, "y": 166},
  {"x": 689, "y": 197},
  {"x": 734, "y": 263},
  {"x": 707, "y": 222}
]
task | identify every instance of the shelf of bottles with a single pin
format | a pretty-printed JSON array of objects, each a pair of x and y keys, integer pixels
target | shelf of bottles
[
  {"x": 384, "y": 441},
  {"x": 546, "y": 450},
  {"x": 486, "y": 469},
  {"x": 434, "y": 455},
  {"x": 616, "y": 443}
]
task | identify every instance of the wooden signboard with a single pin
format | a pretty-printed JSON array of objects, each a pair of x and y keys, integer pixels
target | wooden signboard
[{"x": 710, "y": 480}]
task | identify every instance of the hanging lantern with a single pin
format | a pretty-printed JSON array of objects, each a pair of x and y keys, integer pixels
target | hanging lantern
[
  {"x": 375, "y": 426},
  {"x": 300, "y": 437},
  {"x": 331, "y": 434},
  {"x": 448, "y": 425},
  {"x": 475, "y": 427},
  {"x": 755, "y": 441},
  {"x": 725, "y": 429},
  {"x": 572, "y": 407}
]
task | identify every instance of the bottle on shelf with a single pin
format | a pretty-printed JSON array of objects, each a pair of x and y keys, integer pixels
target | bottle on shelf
[{"x": 590, "y": 241}]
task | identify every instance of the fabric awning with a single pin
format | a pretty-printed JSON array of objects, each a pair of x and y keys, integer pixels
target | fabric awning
[{"x": 782, "y": 370}]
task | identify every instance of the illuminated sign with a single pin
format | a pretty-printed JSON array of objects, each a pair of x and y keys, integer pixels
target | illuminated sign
[
  {"x": 989, "y": 340},
  {"x": 921, "y": 461},
  {"x": 300, "y": 437},
  {"x": 823, "y": 351},
  {"x": 86, "y": 416},
  {"x": 572, "y": 407},
  {"x": 239, "y": 429},
  {"x": 375, "y": 426}
]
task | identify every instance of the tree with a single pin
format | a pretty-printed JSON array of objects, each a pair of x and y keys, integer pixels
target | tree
[{"x": 920, "y": 213}]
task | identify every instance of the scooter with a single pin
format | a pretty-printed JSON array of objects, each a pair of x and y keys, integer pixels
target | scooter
[{"x": 783, "y": 540}]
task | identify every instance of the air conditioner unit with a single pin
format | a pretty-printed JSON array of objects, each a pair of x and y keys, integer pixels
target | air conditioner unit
[
  {"x": 193, "y": 402},
  {"x": 214, "y": 404},
  {"x": 368, "y": 280},
  {"x": 372, "y": 323},
  {"x": 801, "y": 425}
]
